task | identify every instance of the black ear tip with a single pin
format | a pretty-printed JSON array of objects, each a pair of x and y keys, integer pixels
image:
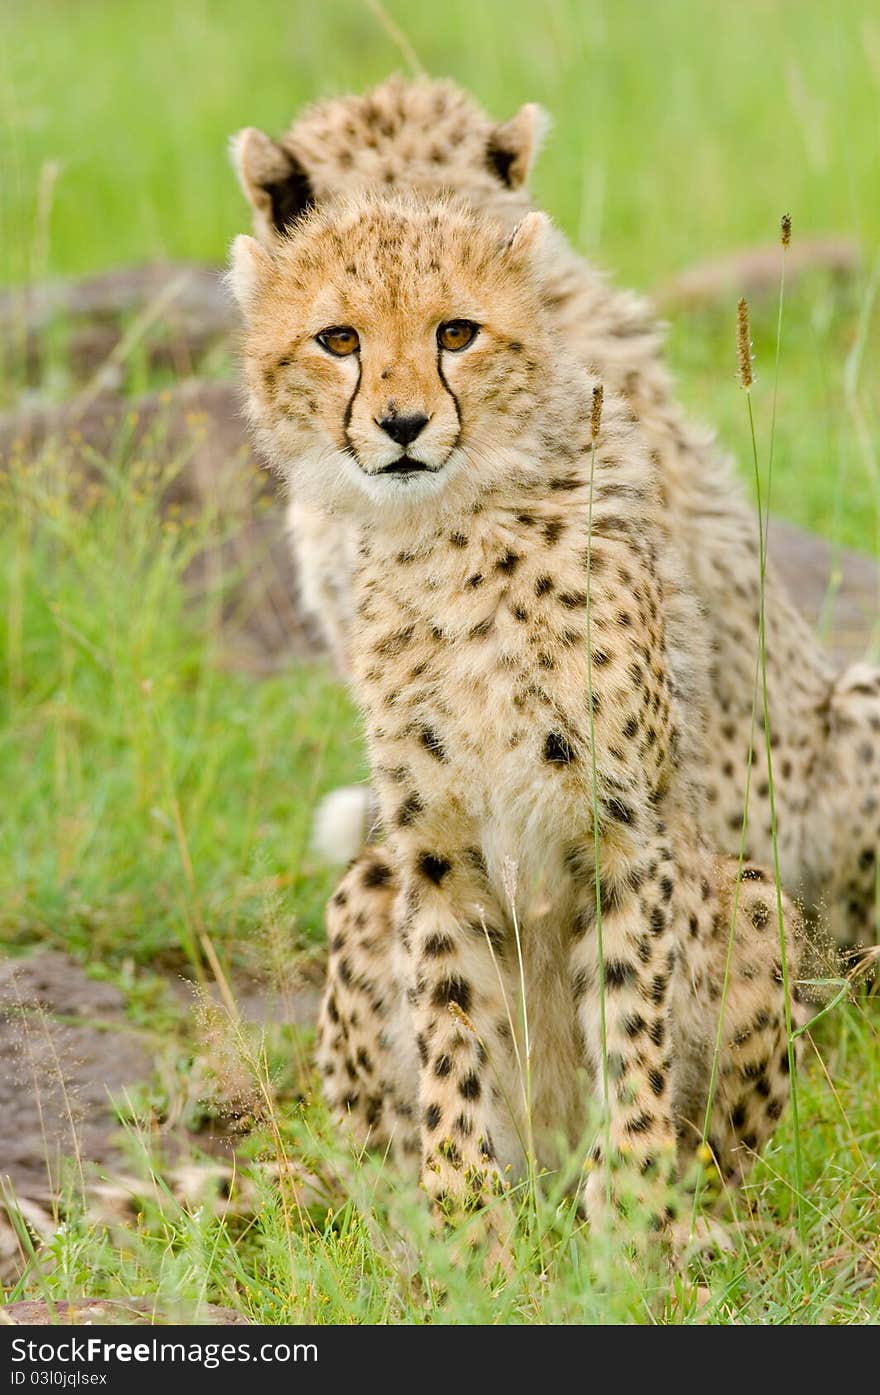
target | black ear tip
[
  {"x": 500, "y": 160},
  {"x": 291, "y": 197}
]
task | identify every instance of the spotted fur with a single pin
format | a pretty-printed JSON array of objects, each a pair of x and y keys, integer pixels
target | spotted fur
[{"x": 520, "y": 626}]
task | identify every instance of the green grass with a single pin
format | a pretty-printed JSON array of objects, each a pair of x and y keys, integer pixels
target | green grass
[{"x": 150, "y": 794}]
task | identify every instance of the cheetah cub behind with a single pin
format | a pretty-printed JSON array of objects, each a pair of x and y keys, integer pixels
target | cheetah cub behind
[{"x": 524, "y": 656}]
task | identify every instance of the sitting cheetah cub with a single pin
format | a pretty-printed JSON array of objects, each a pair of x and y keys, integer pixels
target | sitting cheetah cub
[
  {"x": 430, "y": 136},
  {"x": 527, "y": 663}
]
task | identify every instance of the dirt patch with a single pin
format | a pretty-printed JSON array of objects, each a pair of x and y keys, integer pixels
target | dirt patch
[
  {"x": 82, "y": 1312},
  {"x": 66, "y": 1051}
]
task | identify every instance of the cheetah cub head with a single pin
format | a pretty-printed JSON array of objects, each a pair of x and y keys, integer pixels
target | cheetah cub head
[
  {"x": 423, "y": 134},
  {"x": 397, "y": 351}
]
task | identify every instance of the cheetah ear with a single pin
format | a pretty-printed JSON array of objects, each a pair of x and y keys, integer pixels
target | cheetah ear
[
  {"x": 274, "y": 182},
  {"x": 247, "y": 263},
  {"x": 512, "y": 146},
  {"x": 529, "y": 236}
]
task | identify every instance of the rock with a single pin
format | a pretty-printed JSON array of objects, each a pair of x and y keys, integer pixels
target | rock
[
  {"x": 754, "y": 272},
  {"x": 199, "y": 425},
  {"x": 174, "y": 312},
  {"x": 835, "y": 586}
]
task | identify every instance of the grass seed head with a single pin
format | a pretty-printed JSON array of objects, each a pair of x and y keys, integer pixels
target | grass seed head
[
  {"x": 786, "y": 229},
  {"x": 596, "y": 411},
  {"x": 743, "y": 344}
]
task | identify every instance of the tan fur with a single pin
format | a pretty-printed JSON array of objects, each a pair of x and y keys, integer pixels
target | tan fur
[
  {"x": 473, "y": 653},
  {"x": 432, "y": 137}
]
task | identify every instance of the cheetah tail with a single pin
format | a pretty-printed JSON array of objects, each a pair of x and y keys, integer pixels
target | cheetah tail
[{"x": 343, "y": 822}]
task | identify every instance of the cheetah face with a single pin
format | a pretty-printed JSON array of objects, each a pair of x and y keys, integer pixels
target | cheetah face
[{"x": 393, "y": 350}]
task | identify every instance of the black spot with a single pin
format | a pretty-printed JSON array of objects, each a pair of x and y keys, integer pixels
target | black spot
[
  {"x": 760, "y": 915},
  {"x": 657, "y": 1031},
  {"x": 508, "y": 563},
  {"x": 409, "y": 809},
  {"x": 658, "y": 920},
  {"x": 341, "y": 898},
  {"x": 659, "y": 984},
  {"x": 433, "y": 867},
  {"x": 619, "y": 811},
  {"x": 376, "y": 874},
  {"x": 551, "y": 530},
  {"x": 657, "y": 1081},
  {"x": 433, "y": 1116},
  {"x": 634, "y": 1025},
  {"x": 618, "y": 974},
  {"x": 572, "y": 600},
  {"x": 469, "y": 1088},
  {"x": 393, "y": 644},
  {"x": 543, "y": 585},
  {"x": 631, "y": 727},
  {"x": 431, "y": 742},
  {"x": 452, "y": 990},
  {"x": 437, "y": 945},
  {"x": 422, "y": 1049},
  {"x": 458, "y": 540},
  {"x": 642, "y": 1123},
  {"x": 443, "y": 1065},
  {"x": 557, "y": 749}
]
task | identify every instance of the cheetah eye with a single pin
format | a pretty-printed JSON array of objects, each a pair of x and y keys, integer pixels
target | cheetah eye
[
  {"x": 339, "y": 340},
  {"x": 455, "y": 335}
]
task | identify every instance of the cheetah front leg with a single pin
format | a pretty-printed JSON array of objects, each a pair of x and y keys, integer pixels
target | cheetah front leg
[
  {"x": 365, "y": 1047},
  {"x": 638, "y": 954},
  {"x": 462, "y": 1008}
]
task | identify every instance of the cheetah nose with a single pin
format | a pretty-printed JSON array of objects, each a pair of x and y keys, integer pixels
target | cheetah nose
[{"x": 404, "y": 430}]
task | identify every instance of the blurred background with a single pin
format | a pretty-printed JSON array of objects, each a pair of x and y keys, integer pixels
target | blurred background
[{"x": 166, "y": 720}]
